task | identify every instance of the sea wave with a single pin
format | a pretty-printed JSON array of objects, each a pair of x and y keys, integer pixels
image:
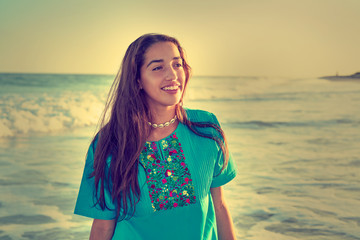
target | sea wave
[
  {"x": 20, "y": 82},
  {"x": 21, "y": 114},
  {"x": 44, "y": 113},
  {"x": 255, "y": 124}
]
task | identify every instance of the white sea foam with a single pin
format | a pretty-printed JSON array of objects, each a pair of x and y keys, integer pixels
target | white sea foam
[{"x": 44, "y": 113}]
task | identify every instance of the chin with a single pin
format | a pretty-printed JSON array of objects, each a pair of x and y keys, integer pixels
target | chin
[
  {"x": 173, "y": 102},
  {"x": 171, "y": 105}
]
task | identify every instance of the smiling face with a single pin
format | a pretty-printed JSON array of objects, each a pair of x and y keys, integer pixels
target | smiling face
[{"x": 162, "y": 75}]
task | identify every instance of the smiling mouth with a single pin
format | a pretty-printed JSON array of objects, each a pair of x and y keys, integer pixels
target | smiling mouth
[{"x": 170, "y": 88}]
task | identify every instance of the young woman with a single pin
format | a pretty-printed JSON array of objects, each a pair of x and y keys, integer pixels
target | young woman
[{"x": 155, "y": 169}]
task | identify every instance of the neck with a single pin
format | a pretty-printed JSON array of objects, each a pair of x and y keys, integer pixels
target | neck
[{"x": 161, "y": 115}]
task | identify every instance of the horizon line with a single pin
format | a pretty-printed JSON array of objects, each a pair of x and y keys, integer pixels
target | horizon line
[{"x": 114, "y": 74}]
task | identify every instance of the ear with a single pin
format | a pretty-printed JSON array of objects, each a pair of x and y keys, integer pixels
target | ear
[{"x": 140, "y": 84}]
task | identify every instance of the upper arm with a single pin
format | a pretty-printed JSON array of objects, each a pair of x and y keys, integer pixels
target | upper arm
[
  {"x": 87, "y": 201},
  {"x": 102, "y": 229}
]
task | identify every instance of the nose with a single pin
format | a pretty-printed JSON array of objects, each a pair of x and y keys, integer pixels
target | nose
[{"x": 171, "y": 74}]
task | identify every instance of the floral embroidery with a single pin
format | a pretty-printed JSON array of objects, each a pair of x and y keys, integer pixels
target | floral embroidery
[{"x": 168, "y": 176}]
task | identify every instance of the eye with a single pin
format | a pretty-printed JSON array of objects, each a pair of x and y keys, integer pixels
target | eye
[
  {"x": 157, "y": 68},
  {"x": 178, "y": 65}
]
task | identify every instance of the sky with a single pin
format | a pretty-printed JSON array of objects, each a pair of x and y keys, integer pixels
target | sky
[{"x": 307, "y": 38}]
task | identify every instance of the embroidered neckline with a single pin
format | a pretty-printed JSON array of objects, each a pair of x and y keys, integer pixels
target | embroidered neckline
[{"x": 167, "y": 174}]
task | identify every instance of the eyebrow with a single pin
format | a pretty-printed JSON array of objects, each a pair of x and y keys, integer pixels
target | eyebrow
[{"x": 161, "y": 60}]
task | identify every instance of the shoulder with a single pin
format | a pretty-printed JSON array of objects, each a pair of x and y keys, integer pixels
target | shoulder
[
  {"x": 196, "y": 115},
  {"x": 94, "y": 142},
  {"x": 90, "y": 156}
]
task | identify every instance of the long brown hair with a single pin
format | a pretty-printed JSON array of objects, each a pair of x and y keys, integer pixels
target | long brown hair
[{"x": 123, "y": 131}]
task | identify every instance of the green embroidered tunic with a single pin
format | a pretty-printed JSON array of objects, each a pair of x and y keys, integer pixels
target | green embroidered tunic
[{"x": 175, "y": 178}]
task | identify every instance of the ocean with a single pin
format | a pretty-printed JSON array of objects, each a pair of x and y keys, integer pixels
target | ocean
[{"x": 296, "y": 142}]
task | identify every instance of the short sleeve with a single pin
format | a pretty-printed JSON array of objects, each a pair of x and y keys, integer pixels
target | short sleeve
[
  {"x": 228, "y": 173},
  {"x": 86, "y": 200},
  {"x": 222, "y": 177}
]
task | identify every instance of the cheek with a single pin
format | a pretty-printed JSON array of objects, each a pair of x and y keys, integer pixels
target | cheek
[
  {"x": 150, "y": 86},
  {"x": 145, "y": 81},
  {"x": 182, "y": 74}
]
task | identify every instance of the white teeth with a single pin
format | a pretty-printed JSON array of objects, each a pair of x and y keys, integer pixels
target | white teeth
[{"x": 171, "y": 88}]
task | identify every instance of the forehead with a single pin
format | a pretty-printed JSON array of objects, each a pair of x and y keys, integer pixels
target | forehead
[{"x": 161, "y": 50}]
